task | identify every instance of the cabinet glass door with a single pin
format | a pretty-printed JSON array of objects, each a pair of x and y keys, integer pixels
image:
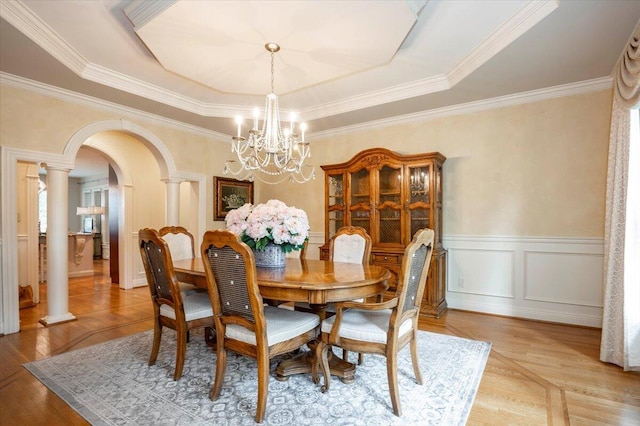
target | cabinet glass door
[
  {"x": 335, "y": 204},
  {"x": 419, "y": 200},
  {"x": 360, "y": 208},
  {"x": 389, "y": 205},
  {"x": 419, "y": 180}
]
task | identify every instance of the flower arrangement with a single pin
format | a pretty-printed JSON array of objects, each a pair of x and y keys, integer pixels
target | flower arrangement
[{"x": 273, "y": 221}]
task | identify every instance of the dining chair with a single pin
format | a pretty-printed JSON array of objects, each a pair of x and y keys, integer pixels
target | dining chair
[
  {"x": 181, "y": 245},
  {"x": 383, "y": 327},
  {"x": 244, "y": 324},
  {"x": 179, "y": 240},
  {"x": 350, "y": 244},
  {"x": 171, "y": 308}
]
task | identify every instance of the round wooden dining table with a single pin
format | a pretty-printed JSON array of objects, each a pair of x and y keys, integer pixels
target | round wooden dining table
[{"x": 317, "y": 282}]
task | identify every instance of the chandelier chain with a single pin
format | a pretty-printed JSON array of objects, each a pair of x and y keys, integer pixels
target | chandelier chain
[{"x": 272, "y": 75}]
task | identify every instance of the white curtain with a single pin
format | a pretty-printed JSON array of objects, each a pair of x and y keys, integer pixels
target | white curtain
[{"x": 621, "y": 315}]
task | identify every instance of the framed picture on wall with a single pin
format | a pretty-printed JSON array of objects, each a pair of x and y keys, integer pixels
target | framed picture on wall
[{"x": 229, "y": 194}]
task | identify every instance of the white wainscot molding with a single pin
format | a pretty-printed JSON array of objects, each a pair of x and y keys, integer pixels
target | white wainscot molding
[
  {"x": 316, "y": 240},
  {"x": 548, "y": 279},
  {"x": 139, "y": 275}
]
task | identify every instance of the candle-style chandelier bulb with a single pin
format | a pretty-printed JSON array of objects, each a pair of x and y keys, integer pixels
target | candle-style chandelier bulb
[{"x": 272, "y": 154}]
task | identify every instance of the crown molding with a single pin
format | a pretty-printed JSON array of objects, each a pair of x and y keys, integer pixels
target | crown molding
[
  {"x": 21, "y": 17},
  {"x": 571, "y": 89},
  {"x": 91, "y": 102},
  {"x": 587, "y": 86},
  {"x": 140, "y": 12},
  {"x": 526, "y": 18},
  {"x": 37, "y": 30},
  {"x": 378, "y": 97}
]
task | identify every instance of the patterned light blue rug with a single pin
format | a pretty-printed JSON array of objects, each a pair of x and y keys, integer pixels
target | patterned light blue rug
[{"x": 111, "y": 384}]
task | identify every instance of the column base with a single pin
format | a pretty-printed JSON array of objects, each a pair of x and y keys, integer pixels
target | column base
[{"x": 50, "y": 320}]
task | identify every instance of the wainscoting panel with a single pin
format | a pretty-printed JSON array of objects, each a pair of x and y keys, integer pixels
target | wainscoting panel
[
  {"x": 316, "y": 240},
  {"x": 549, "y": 279},
  {"x": 485, "y": 272},
  {"x": 567, "y": 278}
]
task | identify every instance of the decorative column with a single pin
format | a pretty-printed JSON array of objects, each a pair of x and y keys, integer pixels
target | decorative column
[
  {"x": 57, "y": 237},
  {"x": 33, "y": 235},
  {"x": 172, "y": 207}
]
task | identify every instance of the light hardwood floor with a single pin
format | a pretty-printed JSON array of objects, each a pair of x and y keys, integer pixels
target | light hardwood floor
[{"x": 537, "y": 373}]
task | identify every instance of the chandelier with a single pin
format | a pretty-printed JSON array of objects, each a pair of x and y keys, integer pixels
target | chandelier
[{"x": 271, "y": 154}]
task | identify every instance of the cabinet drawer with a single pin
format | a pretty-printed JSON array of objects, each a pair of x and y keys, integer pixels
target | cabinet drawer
[{"x": 395, "y": 259}]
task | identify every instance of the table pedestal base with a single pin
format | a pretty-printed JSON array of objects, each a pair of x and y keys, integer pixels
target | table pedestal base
[{"x": 302, "y": 363}]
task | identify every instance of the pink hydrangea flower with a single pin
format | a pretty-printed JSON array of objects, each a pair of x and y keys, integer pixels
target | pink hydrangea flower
[{"x": 273, "y": 221}]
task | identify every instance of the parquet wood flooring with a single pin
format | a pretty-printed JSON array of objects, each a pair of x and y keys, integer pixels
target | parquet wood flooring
[{"x": 537, "y": 374}]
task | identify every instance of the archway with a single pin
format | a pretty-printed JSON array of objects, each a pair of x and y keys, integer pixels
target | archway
[{"x": 65, "y": 161}]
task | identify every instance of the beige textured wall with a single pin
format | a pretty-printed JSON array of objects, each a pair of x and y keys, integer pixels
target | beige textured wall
[
  {"x": 36, "y": 122},
  {"x": 537, "y": 169}
]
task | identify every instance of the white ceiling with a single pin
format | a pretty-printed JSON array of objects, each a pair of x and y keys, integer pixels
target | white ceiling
[{"x": 341, "y": 64}]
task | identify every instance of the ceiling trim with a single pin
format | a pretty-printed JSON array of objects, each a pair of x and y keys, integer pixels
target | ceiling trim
[
  {"x": 526, "y": 18},
  {"x": 141, "y": 12},
  {"x": 571, "y": 89},
  {"x": 111, "y": 107},
  {"x": 20, "y": 16},
  {"x": 371, "y": 99}
]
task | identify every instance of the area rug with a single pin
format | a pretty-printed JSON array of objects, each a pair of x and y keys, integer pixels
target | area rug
[{"x": 111, "y": 384}]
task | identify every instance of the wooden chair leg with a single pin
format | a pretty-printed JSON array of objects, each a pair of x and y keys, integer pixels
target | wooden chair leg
[
  {"x": 155, "y": 348},
  {"x": 181, "y": 352},
  {"x": 392, "y": 377},
  {"x": 414, "y": 360},
  {"x": 221, "y": 365},
  {"x": 263, "y": 384},
  {"x": 345, "y": 356}
]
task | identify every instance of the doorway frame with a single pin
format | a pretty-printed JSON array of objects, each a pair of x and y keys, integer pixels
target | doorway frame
[{"x": 9, "y": 157}]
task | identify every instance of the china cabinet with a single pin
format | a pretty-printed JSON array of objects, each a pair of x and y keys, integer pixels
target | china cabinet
[{"x": 391, "y": 196}]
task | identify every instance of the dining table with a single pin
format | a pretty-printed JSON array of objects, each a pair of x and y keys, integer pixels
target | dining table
[{"x": 317, "y": 282}]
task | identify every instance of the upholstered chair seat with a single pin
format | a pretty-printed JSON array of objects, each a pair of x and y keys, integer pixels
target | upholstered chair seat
[
  {"x": 368, "y": 326},
  {"x": 384, "y": 327}
]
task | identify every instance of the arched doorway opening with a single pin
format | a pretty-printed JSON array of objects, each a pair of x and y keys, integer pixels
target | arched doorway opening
[{"x": 61, "y": 164}]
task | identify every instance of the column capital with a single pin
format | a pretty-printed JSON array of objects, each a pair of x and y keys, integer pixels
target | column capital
[
  {"x": 172, "y": 180},
  {"x": 56, "y": 167}
]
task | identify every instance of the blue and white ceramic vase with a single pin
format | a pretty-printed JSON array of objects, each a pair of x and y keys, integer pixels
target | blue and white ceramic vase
[{"x": 271, "y": 257}]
